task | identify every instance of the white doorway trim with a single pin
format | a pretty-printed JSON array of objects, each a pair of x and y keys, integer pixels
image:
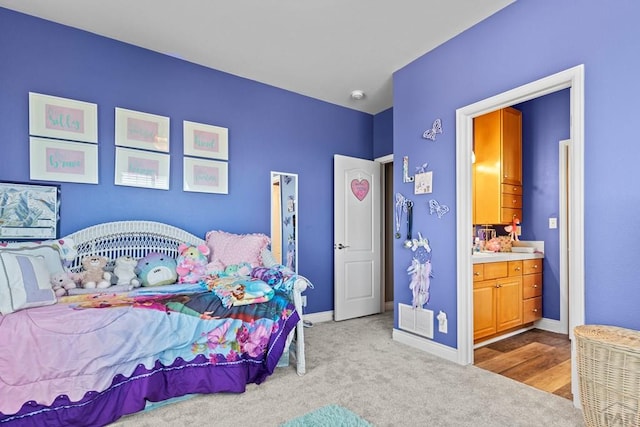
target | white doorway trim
[
  {"x": 384, "y": 306},
  {"x": 572, "y": 78}
]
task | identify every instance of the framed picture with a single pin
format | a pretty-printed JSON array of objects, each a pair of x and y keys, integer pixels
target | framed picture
[
  {"x": 142, "y": 130},
  {"x": 137, "y": 168},
  {"x": 62, "y": 118},
  {"x": 423, "y": 183},
  {"x": 56, "y": 160},
  {"x": 29, "y": 211},
  {"x": 205, "y": 141},
  {"x": 206, "y": 176}
]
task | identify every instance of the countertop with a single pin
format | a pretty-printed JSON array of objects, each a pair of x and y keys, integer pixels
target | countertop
[{"x": 484, "y": 257}]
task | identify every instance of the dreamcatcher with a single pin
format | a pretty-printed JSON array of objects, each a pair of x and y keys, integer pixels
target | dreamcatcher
[{"x": 420, "y": 271}]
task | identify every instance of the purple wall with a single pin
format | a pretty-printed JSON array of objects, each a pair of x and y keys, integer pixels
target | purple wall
[
  {"x": 545, "y": 122},
  {"x": 526, "y": 41},
  {"x": 383, "y": 133},
  {"x": 269, "y": 129}
]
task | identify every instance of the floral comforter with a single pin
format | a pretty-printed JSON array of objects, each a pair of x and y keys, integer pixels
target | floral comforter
[{"x": 73, "y": 363}]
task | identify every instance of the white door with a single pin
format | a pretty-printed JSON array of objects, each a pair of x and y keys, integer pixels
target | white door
[{"x": 356, "y": 237}]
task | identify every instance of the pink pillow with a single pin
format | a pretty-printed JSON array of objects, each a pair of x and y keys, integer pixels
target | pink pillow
[{"x": 228, "y": 248}]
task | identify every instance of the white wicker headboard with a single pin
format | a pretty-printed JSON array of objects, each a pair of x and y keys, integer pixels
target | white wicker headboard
[{"x": 132, "y": 238}]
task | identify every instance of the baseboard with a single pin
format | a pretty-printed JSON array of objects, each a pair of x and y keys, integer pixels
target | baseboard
[
  {"x": 431, "y": 347},
  {"x": 323, "y": 316},
  {"x": 552, "y": 325}
]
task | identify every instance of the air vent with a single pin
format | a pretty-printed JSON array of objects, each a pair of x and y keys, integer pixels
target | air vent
[{"x": 415, "y": 320}]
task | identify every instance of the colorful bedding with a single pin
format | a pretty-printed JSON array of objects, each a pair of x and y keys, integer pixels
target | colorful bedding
[{"x": 94, "y": 358}]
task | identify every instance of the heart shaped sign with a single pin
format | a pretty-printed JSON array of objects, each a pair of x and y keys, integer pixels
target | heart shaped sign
[{"x": 360, "y": 188}]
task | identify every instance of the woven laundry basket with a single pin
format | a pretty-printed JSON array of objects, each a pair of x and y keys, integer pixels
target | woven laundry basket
[{"x": 608, "y": 360}]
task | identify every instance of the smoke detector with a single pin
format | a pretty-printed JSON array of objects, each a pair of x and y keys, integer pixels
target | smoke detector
[{"x": 357, "y": 95}]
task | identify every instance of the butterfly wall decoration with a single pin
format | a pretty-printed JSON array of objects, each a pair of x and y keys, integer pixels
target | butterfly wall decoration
[
  {"x": 436, "y": 128},
  {"x": 436, "y": 207}
]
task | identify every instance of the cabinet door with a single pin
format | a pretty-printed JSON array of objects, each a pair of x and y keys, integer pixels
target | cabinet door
[
  {"x": 484, "y": 309},
  {"x": 511, "y": 161},
  {"x": 508, "y": 303}
]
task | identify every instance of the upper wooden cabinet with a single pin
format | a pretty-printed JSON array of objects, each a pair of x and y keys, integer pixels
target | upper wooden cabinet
[{"x": 497, "y": 171}]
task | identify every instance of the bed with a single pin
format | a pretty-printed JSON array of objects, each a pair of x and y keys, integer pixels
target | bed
[{"x": 89, "y": 359}]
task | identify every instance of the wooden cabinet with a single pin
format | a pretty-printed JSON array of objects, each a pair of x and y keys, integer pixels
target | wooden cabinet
[
  {"x": 506, "y": 295},
  {"x": 497, "y": 298},
  {"x": 497, "y": 171},
  {"x": 532, "y": 290}
]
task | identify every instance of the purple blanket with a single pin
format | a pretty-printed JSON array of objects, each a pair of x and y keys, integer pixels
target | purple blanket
[{"x": 71, "y": 364}]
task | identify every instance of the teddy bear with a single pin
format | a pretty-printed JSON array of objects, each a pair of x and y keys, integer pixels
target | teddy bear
[
  {"x": 93, "y": 275},
  {"x": 61, "y": 282},
  {"x": 191, "y": 263},
  {"x": 156, "y": 269},
  {"x": 125, "y": 271}
]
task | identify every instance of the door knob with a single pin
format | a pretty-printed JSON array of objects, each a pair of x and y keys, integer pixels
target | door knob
[{"x": 341, "y": 246}]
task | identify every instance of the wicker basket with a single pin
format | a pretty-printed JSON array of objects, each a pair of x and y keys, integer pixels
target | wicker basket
[{"x": 608, "y": 360}]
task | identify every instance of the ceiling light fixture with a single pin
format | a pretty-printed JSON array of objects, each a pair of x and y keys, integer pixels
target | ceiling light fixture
[{"x": 357, "y": 95}]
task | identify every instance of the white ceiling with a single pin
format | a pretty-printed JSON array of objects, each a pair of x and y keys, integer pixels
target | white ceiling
[{"x": 320, "y": 48}]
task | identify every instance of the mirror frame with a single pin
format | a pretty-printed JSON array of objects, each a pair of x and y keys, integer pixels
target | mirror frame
[{"x": 278, "y": 211}]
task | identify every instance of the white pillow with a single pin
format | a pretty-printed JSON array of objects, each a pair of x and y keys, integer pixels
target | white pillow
[
  {"x": 24, "y": 282},
  {"x": 48, "y": 250}
]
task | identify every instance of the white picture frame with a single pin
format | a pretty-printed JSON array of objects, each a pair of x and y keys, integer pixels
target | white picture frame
[
  {"x": 145, "y": 131},
  {"x": 62, "y": 118},
  {"x": 56, "y": 160},
  {"x": 205, "y": 176},
  {"x": 423, "y": 183},
  {"x": 201, "y": 140},
  {"x": 139, "y": 168}
]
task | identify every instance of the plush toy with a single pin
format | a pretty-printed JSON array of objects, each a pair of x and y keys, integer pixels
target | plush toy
[
  {"x": 156, "y": 269},
  {"x": 125, "y": 271},
  {"x": 93, "y": 275},
  {"x": 191, "y": 263},
  {"x": 61, "y": 282},
  {"x": 242, "y": 269}
]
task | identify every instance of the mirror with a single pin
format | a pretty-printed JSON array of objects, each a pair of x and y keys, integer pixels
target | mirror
[{"x": 284, "y": 218}]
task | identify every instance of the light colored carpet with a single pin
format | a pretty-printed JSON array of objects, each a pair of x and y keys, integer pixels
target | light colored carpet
[
  {"x": 330, "y": 415},
  {"x": 356, "y": 364}
]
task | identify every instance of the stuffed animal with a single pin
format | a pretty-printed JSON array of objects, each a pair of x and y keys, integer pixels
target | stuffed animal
[
  {"x": 156, "y": 269},
  {"x": 191, "y": 263},
  {"x": 61, "y": 282},
  {"x": 93, "y": 275},
  {"x": 125, "y": 271}
]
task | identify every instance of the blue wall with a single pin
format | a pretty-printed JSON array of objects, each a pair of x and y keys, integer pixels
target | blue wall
[
  {"x": 269, "y": 129},
  {"x": 526, "y": 41},
  {"x": 383, "y": 133},
  {"x": 545, "y": 122}
]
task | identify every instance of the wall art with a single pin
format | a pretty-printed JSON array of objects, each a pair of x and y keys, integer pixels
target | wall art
[
  {"x": 360, "y": 188},
  {"x": 423, "y": 183},
  {"x": 436, "y": 128},
  {"x": 138, "y": 168},
  {"x": 142, "y": 130},
  {"x": 206, "y": 176},
  {"x": 208, "y": 141},
  {"x": 62, "y": 118},
  {"x": 29, "y": 211},
  {"x": 405, "y": 170},
  {"x": 435, "y": 207},
  {"x": 56, "y": 160}
]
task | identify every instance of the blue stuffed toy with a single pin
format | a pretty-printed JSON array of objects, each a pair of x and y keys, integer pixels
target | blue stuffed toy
[{"x": 156, "y": 269}]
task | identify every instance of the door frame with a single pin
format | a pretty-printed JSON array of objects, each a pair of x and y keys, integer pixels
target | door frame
[
  {"x": 383, "y": 224},
  {"x": 572, "y": 78}
]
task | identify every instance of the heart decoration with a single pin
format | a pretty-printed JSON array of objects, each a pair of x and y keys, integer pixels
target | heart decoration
[{"x": 360, "y": 188}]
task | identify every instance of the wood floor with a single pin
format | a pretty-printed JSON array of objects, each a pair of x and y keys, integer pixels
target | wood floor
[{"x": 538, "y": 358}]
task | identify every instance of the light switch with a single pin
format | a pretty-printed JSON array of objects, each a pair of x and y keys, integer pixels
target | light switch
[{"x": 553, "y": 223}]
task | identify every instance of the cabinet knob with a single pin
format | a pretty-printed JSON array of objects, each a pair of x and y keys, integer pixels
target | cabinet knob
[
  {"x": 517, "y": 268},
  {"x": 535, "y": 286},
  {"x": 514, "y": 201},
  {"x": 476, "y": 273},
  {"x": 535, "y": 266},
  {"x": 498, "y": 285},
  {"x": 515, "y": 188},
  {"x": 535, "y": 310}
]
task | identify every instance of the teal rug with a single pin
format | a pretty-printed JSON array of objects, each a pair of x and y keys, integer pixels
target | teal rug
[{"x": 330, "y": 415}]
